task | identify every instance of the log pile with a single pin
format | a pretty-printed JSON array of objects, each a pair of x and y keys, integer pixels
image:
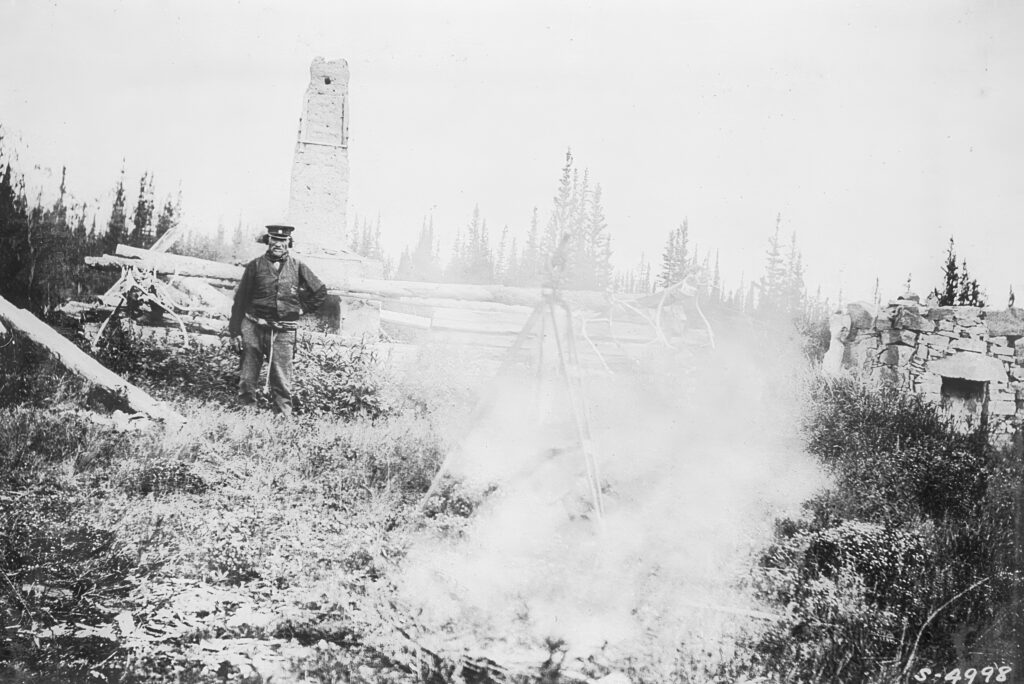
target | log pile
[{"x": 484, "y": 318}]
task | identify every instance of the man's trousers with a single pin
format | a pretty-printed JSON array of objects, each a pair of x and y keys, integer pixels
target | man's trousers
[{"x": 259, "y": 342}]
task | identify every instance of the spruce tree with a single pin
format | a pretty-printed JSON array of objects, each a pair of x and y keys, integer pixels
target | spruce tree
[
  {"x": 716, "y": 283},
  {"x": 142, "y": 216},
  {"x": 795, "y": 296},
  {"x": 168, "y": 219},
  {"x": 559, "y": 222},
  {"x": 773, "y": 288},
  {"x": 530, "y": 264},
  {"x": 116, "y": 224},
  {"x": 958, "y": 287},
  {"x": 598, "y": 244},
  {"x": 675, "y": 259},
  {"x": 947, "y": 295}
]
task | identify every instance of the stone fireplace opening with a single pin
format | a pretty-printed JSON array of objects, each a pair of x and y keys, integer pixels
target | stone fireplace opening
[{"x": 963, "y": 402}]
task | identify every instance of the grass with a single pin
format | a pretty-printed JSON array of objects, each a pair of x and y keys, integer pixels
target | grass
[
  {"x": 246, "y": 548},
  {"x": 295, "y": 517}
]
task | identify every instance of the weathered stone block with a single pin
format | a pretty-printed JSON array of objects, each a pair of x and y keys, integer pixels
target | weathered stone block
[
  {"x": 896, "y": 355},
  {"x": 886, "y": 375},
  {"x": 862, "y": 315},
  {"x": 1002, "y": 408},
  {"x": 1005, "y": 321},
  {"x": 946, "y": 325},
  {"x": 909, "y": 319},
  {"x": 1017, "y": 373},
  {"x": 1001, "y": 341},
  {"x": 883, "y": 322},
  {"x": 907, "y": 337},
  {"x": 929, "y": 383},
  {"x": 935, "y": 341},
  {"x": 940, "y": 313},
  {"x": 861, "y": 350},
  {"x": 1007, "y": 395},
  {"x": 967, "y": 344},
  {"x": 1000, "y": 350},
  {"x": 969, "y": 366}
]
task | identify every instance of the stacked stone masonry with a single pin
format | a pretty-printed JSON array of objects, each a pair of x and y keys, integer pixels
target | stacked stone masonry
[{"x": 960, "y": 356}]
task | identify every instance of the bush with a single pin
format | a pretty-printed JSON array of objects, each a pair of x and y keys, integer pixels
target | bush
[
  {"x": 329, "y": 380},
  {"x": 343, "y": 381},
  {"x": 893, "y": 455},
  {"x": 919, "y": 517}
]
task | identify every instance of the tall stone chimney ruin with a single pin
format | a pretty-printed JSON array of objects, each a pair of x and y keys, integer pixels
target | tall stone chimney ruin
[{"x": 319, "y": 185}]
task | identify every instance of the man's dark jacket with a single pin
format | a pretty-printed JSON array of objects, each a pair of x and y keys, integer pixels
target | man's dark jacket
[{"x": 275, "y": 295}]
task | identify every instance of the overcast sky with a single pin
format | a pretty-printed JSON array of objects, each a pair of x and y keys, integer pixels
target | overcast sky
[{"x": 876, "y": 129}]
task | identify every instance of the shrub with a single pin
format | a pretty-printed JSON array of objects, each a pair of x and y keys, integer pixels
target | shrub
[
  {"x": 29, "y": 375},
  {"x": 893, "y": 455},
  {"x": 919, "y": 517},
  {"x": 329, "y": 380}
]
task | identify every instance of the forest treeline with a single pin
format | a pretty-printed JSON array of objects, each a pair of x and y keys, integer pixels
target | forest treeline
[{"x": 43, "y": 245}]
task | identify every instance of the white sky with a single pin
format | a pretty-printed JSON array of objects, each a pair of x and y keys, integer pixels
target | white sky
[{"x": 877, "y": 129}]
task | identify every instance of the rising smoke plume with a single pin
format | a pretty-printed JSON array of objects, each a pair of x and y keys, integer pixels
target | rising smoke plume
[{"x": 698, "y": 452}]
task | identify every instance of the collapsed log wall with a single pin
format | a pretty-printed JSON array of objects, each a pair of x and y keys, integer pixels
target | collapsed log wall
[{"x": 485, "y": 318}]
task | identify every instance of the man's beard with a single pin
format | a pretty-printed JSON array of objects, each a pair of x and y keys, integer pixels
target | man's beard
[{"x": 274, "y": 256}]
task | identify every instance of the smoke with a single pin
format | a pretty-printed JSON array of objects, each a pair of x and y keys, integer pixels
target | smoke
[{"x": 697, "y": 456}]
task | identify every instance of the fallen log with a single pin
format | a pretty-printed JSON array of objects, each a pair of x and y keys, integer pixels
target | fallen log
[
  {"x": 169, "y": 264},
  {"x": 83, "y": 365},
  {"x": 404, "y": 319}
]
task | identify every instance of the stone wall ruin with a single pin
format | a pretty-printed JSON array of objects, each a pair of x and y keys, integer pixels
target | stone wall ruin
[{"x": 968, "y": 360}]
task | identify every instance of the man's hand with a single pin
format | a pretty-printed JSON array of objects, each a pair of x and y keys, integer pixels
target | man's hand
[{"x": 236, "y": 343}]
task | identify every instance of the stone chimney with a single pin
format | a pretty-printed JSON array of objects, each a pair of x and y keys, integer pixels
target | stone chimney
[{"x": 319, "y": 185}]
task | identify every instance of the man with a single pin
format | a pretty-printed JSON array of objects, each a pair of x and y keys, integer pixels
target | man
[{"x": 274, "y": 290}]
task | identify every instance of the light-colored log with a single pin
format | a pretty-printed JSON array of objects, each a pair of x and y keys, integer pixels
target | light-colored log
[
  {"x": 434, "y": 303},
  {"x": 168, "y": 239},
  {"x": 83, "y": 365},
  {"x": 386, "y": 289},
  {"x": 210, "y": 297},
  {"x": 404, "y": 319}
]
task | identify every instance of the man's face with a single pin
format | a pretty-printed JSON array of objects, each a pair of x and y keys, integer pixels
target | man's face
[{"x": 277, "y": 247}]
